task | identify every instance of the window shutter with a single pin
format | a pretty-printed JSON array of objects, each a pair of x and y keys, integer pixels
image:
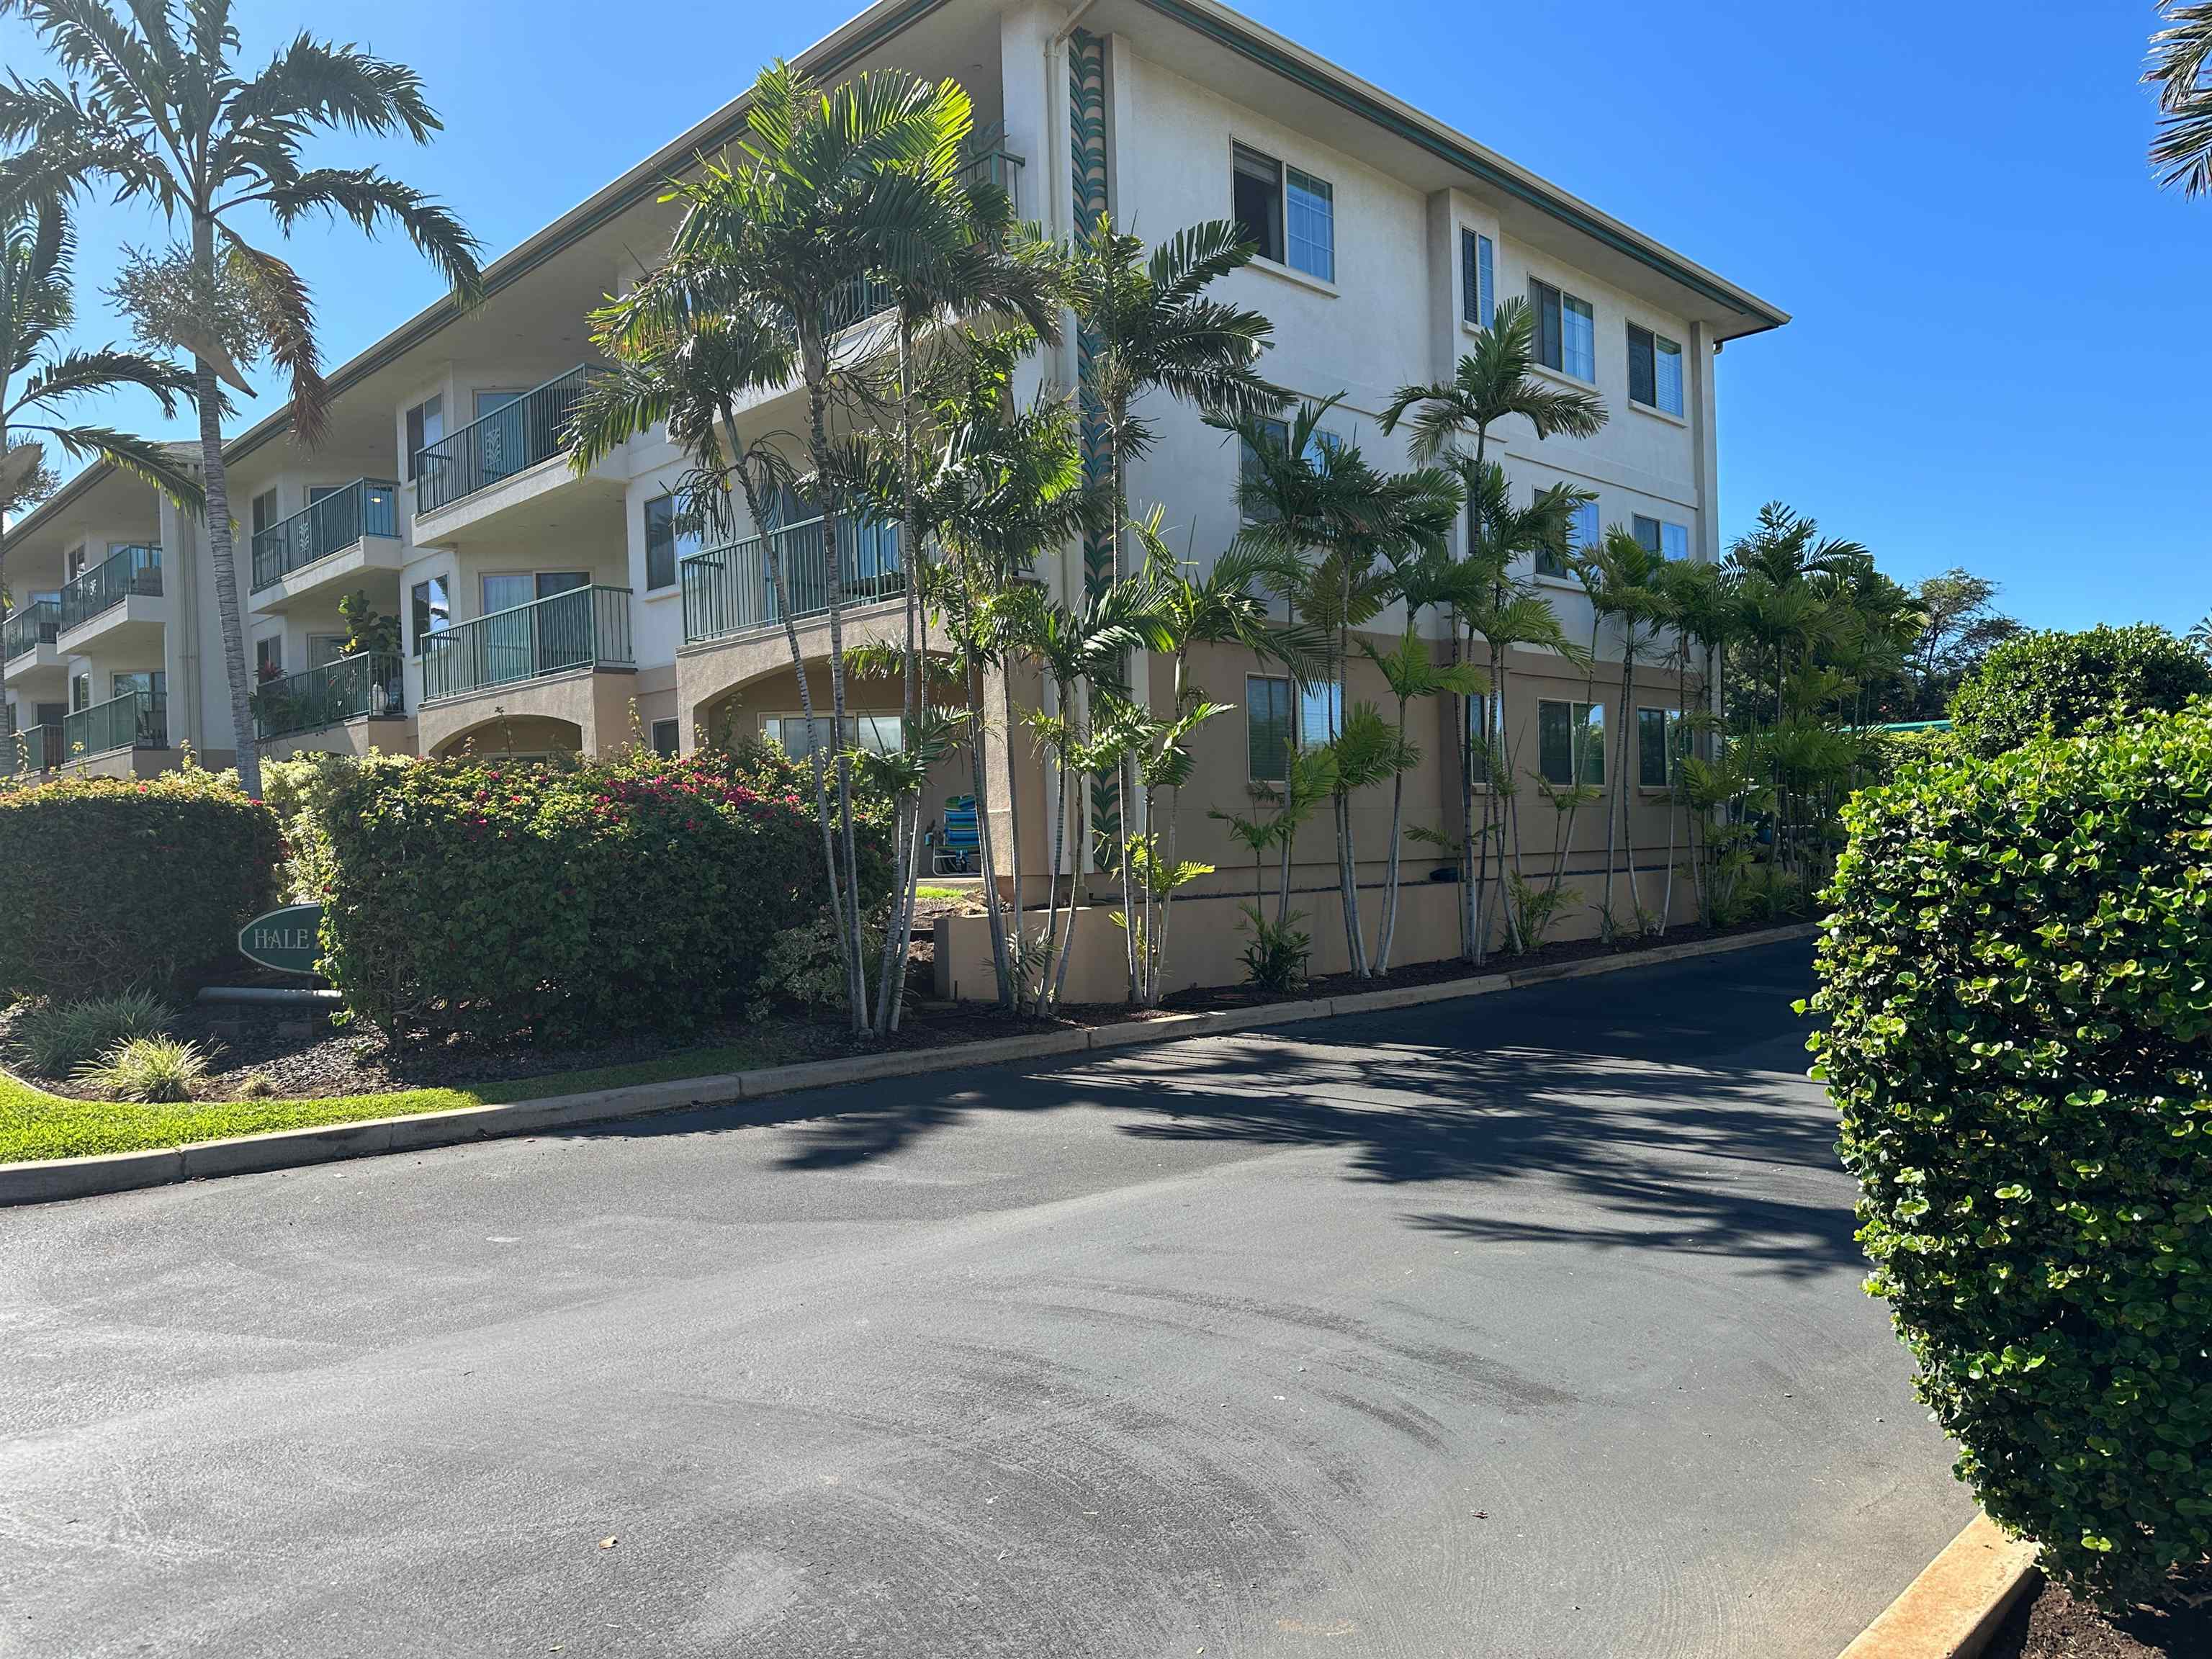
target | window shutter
[
  {"x": 1544, "y": 300},
  {"x": 1470, "y": 280},
  {"x": 1642, "y": 373},
  {"x": 1485, "y": 281}
]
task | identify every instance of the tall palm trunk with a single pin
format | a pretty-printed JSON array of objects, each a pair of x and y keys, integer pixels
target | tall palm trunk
[
  {"x": 898, "y": 932},
  {"x": 1125, "y": 771},
  {"x": 221, "y": 547},
  {"x": 856, "y": 972},
  {"x": 1389, "y": 929},
  {"x": 775, "y": 553},
  {"x": 1004, "y": 965}
]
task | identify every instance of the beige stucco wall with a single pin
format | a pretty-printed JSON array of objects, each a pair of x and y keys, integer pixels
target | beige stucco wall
[{"x": 588, "y": 712}]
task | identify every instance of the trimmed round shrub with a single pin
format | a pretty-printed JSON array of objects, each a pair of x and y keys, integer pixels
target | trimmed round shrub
[
  {"x": 111, "y": 882},
  {"x": 2017, "y": 983},
  {"x": 2060, "y": 684},
  {"x": 500, "y": 900}
]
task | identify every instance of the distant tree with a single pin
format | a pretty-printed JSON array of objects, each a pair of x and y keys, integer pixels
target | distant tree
[
  {"x": 1959, "y": 625},
  {"x": 2181, "y": 69}
]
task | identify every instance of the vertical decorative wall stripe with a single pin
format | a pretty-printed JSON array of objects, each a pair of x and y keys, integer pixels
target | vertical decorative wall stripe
[{"x": 1086, "y": 144}]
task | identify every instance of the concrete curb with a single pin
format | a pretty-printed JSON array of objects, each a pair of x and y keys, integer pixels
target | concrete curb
[
  {"x": 45, "y": 1179},
  {"x": 1956, "y": 1604}
]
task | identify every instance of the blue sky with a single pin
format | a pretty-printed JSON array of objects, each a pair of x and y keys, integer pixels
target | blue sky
[{"x": 2003, "y": 351}]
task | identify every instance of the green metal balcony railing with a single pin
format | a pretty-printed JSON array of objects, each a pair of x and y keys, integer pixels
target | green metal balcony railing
[
  {"x": 367, "y": 507},
  {"x": 726, "y": 590},
  {"x": 136, "y": 720},
  {"x": 371, "y": 684},
  {"x": 36, "y": 624},
  {"x": 583, "y": 627},
  {"x": 127, "y": 571},
  {"x": 32, "y": 749},
  {"x": 512, "y": 438},
  {"x": 1001, "y": 168}
]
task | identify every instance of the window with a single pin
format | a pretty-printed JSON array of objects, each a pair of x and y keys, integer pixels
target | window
[
  {"x": 665, "y": 545},
  {"x": 1582, "y": 533},
  {"x": 1571, "y": 742},
  {"x": 434, "y": 610},
  {"x": 1478, "y": 263},
  {"x": 76, "y": 557},
  {"x": 665, "y": 741},
  {"x": 1312, "y": 224},
  {"x": 880, "y": 733},
  {"x": 264, "y": 511},
  {"x": 1267, "y": 728},
  {"x": 1655, "y": 370},
  {"x": 1320, "y": 713},
  {"x": 1256, "y": 201},
  {"x": 268, "y": 657},
  {"x": 1289, "y": 215},
  {"x": 1247, "y": 463},
  {"x": 1658, "y": 746},
  {"x": 426, "y": 425},
  {"x": 507, "y": 589},
  {"x": 80, "y": 692},
  {"x": 1566, "y": 331},
  {"x": 1281, "y": 717},
  {"x": 323, "y": 649},
  {"x": 155, "y": 684},
  {"x": 487, "y": 401},
  {"x": 1670, "y": 541}
]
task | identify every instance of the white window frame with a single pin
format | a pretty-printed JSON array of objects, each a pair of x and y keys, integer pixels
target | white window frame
[
  {"x": 1283, "y": 171},
  {"x": 1662, "y": 345},
  {"x": 1578, "y": 718}
]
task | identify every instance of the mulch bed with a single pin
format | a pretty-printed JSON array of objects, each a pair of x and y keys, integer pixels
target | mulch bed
[
  {"x": 301, "y": 1054},
  {"x": 2052, "y": 1624}
]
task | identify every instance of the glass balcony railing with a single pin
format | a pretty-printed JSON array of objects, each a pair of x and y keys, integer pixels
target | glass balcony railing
[
  {"x": 367, "y": 507},
  {"x": 726, "y": 590},
  {"x": 512, "y": 438},
  {"x": 371, "y": 684},
  {"x": 136, "y": 720},
  {"x": 25, "y": 630},
  {"x": 127, "y": 571},
  {"x": 32, "y": 750},
  {"x": 583, "y": 627}
]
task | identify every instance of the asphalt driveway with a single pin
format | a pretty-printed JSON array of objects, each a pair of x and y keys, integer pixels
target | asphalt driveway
[{"x": 1525, "y": 1326}]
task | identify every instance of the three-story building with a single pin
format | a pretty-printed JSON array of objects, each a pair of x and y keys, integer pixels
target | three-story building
[{"x": 526, "y": 608}]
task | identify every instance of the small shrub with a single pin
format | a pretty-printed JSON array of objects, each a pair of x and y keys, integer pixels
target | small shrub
[
  {"x": 256, "y": 1085},
  {"x": 2015, "y": 979},
  {"x": 153, "y": 1070},
  {"x": 802, "y": 964},
  {"x": 1275, "y": 957},
  {"x": 2059, "y": 685},
  {"x": 498, "y": 899},
  {"x": 1537, "y": 908},
  {"x": 58, "y": 1038},
  {"x": 1764, "y": 892},
  {"x": 108, "y": 883}
]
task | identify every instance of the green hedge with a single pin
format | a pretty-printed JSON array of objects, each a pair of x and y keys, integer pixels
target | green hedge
[
  {"x": 2017, "y": 978},
  {"x": 498, "y": 900},
  {"x": 111, "y": 882},
  {"x": 2060, "y": 684}
]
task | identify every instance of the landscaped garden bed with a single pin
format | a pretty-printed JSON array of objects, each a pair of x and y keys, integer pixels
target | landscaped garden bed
[{"x": 2053, "y": 1625}]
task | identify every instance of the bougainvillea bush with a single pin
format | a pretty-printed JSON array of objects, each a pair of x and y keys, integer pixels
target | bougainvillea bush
[
  {"x": 111, "y": 882},
  {"x": 2017, "y": 980},
  {"x": 500, "y": 900}
]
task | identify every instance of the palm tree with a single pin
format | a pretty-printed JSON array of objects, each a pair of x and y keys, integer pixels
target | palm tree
[
  {"x": 1490, "y": 599},
  {"x": 1411, "y": 673},
  {"x": 38, "y": 376},
  {"x": 1336, "y": 527},
  {"x": 2181, "y": 69},
  {"x": 1627, "y": 583},
  {"x": 1150, "y": 327},
  {"x": 169, "y": 119},
  {"x": 1494, "y": 381},
  {"x": 861, "y": 183}
]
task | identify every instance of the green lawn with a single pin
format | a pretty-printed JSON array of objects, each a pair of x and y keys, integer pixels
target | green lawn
[{"x": 34, "y": 1124}]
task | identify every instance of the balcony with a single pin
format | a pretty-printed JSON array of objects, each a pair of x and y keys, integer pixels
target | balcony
[
  {"x": 136, "y": 720},
  {"x": 312, "y": 539},
  {"x": 124, "y": 573},
  {"x": 371, "y": 686},
  {"x": 512, "y": 438},
  {"x": 37, "y": 625},
  {"x": 30, "y": 750},
  {"x": 726, "y": 590},
  {"x": 584, "y": 628}
]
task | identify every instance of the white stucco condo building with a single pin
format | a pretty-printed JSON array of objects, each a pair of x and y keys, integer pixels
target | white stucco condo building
[{"x": 538, "y": 610}]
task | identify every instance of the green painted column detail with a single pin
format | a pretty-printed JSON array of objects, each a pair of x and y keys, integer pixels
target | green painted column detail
[{"x": 1086, "y": 145}]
